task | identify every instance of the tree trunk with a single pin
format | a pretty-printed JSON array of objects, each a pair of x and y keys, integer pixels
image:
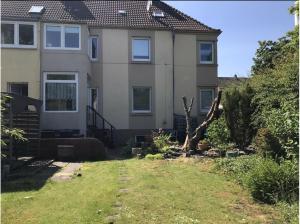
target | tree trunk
[{"x": 192, "y": 138}]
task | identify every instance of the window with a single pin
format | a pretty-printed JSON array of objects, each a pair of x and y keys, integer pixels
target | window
[
  {"x": 26, "y": 34},
  {"x": 93, "y": 48},
  {"x": 53, "y": 36},
  {"x": 206, "y": 52},
  {"x": 7, "y": 33},
  {"x": 62, "y": 37},
  {"x": 206, "y": 99},
  {"x": 141, "y": 49},
  {"x": 60, "y": 92},
  {"x": 18, "y": 34},
  {"x": 18, "y": 88},
  {"x": 141, "y": 99}
]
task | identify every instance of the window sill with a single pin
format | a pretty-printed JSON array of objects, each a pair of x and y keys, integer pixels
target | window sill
[
  {"x": 206, "y": 64},
  {"x": 140, "y": 62},
  {"x": 141, "y": 114},
  {"x": 33, "y": 47}
]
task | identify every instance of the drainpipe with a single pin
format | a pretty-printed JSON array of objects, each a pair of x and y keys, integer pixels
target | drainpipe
[{"x": 173, "y": 73}]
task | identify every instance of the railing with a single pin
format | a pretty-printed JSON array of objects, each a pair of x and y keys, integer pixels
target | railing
[{"x": 97, "y": 123}]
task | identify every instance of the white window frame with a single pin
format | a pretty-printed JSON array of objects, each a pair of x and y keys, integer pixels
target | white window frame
[
  {"x": 60, "y": 81},
  {"x": 212, "y": 89},
  {"x": 149, "y": 48},
  {"x": 16, "y": 35},
  {"x": 132, "y": 100},
  {"x": 90, "y": 48},
  {"x": 213, "y": 52},
  {"x": 62, "y": 36}
]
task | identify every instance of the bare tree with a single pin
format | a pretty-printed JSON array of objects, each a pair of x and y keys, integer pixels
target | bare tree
[{"x": 192, "y": 138}]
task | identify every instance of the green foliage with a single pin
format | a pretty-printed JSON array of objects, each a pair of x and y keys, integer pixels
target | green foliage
[
  {"x": 161, "y": 139},
  {"x": 267, "y": 180},
  {"x": 267, "y": 144},
  {"x": 290, "y": 212},
  {"x": 276, "y": 96},
  {"x": 238, "y": 111},
  {"x": 238, "y": 168},
  {"x": 271, "y": 182},
  {"x": 15, "y": 133},
  {"x": 157, "y": 156},
  {"x": 218, "y": 133}
]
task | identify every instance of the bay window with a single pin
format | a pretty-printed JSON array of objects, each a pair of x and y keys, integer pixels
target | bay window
[
  {"x": 141, "y": 99},
  {"x": 140, "y": 49},
  {"x": 62, "y": 37},
  {"x": 206, "y": 52},
  {"x": 60, "y": 92},
  {"x": 206, "y": 99},
  {"x": 18, "y": 34}
]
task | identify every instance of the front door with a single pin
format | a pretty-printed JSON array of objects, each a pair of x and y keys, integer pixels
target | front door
[
  {"x": 18, "y": 88},
  {"x": 93, "y": 98}
]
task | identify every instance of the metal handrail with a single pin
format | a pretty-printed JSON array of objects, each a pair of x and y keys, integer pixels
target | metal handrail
[{"x": 95, "y": 114}]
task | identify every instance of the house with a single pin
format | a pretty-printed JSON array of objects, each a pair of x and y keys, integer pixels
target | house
[
  {"x": 130, "y": 62},
  {"x": 227, "y": 81}
]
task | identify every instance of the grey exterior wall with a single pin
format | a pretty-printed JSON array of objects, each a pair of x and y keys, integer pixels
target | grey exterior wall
[{"x": 67, "y": 61}]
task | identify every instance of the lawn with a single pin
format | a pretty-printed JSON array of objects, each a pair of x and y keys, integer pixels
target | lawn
[{"x": 135, "y": 191}]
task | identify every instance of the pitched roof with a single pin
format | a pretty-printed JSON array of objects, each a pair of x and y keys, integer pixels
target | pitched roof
[
  {"x": 226, "y": 81},
  {"x": 105, "y": 14}
]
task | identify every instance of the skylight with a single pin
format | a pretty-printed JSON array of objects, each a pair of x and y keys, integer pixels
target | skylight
[
  {"x": 122, "y": 12},
  {"x": 158, "y": 14},
  {"x": 36, "y": 9}
]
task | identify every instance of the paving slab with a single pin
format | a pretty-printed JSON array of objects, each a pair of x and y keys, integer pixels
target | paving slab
[{"x": 67, "y": 171}]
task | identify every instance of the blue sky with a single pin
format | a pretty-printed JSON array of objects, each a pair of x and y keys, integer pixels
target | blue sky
[{"x": 243, "y": 24}]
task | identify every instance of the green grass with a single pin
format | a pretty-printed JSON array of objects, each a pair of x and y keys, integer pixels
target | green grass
[{"x": 158, "y": 192}]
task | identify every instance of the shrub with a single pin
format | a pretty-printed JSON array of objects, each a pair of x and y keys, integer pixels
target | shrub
[
  {"x": 161, "y": 139},
  {"x": 218, "y": 132},
  {"x": 267, "y": 144},
  {"x": 271, "y": 182},
  {"x": 157, "y": 156},
  {"x": 238, "y": 168},
  {"x": 237, "y": 112}
]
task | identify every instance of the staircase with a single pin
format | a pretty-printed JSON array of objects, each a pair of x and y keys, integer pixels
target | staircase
[{"x": 98, "y": 127}]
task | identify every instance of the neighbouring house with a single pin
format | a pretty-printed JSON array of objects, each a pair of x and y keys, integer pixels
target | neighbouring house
[
  {"x": 115, "y": 65},
  {"x": 227, "y": 81}
]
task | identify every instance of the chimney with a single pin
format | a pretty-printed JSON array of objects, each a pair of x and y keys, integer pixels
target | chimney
[{"x": 149, "y": 4}]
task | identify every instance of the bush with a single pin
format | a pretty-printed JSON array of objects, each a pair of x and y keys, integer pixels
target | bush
[
  {"x": 157, "y": 156},
  {"x": 238, "y": 168},
  {"x": 267, "y": 144},
  {"x": 161, "y": 139},
  {"x": 218, "y": 132},
  {"x": 271, "y": 182},
  {"x": 237, "y": 112}
]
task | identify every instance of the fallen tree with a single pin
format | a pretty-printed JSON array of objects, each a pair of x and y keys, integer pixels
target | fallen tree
[{"x": 192, "y": 138}]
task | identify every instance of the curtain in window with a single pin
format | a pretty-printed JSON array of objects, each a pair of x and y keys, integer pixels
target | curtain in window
[{"x": 60, "y": 96}]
